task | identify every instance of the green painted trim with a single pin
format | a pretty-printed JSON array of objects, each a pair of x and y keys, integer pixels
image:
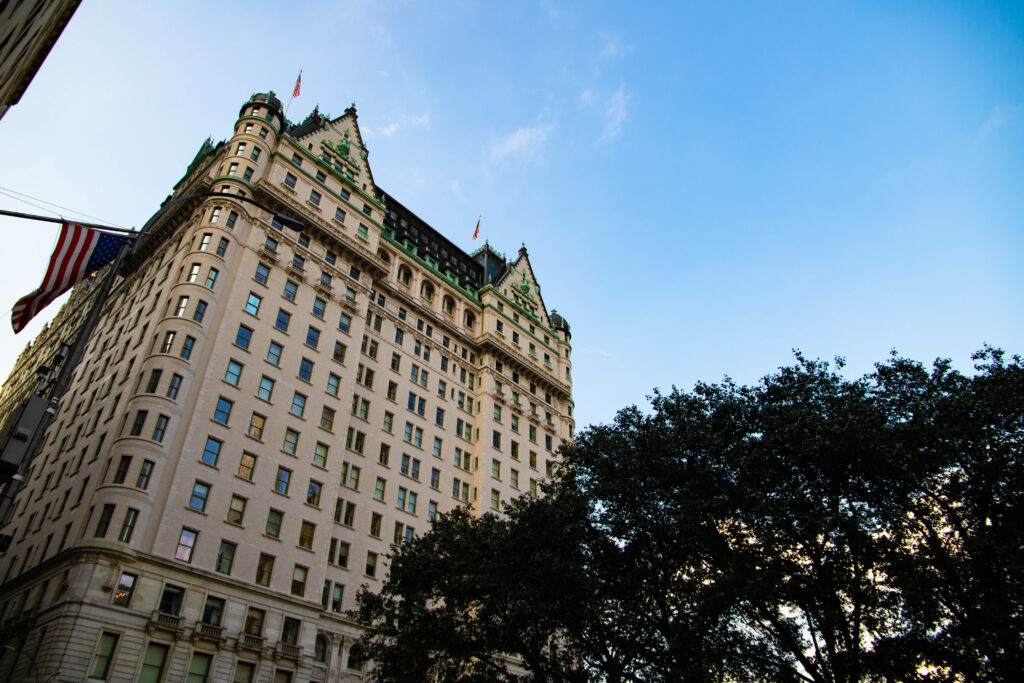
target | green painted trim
[
  {"x": 525, "y": 331},
  {"x": 470, "y": 294},
  {"x": 522, "y": 310},
  {"x": 287, "y": 137},
  {"x": 358, "y": 211},
  {"x": 233, "y": 177},
  {"x": 213, "y": 158},
  {"x": 257, "y": 118}
]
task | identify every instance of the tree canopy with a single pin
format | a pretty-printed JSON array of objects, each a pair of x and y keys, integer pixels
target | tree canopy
[{"x": 806, "y": 528}]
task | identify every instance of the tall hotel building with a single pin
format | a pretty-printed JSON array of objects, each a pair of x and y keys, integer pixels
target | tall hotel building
[{"x": 261, "y": 411}]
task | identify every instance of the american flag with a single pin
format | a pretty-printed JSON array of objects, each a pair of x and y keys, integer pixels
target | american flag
[
  {"x": 476, "y": 233},
  {"x": 80, "y": 251},
  {"x": 298, "y": 85}
]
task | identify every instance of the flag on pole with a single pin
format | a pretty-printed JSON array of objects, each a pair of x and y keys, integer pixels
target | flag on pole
[
  {"x": 80, "y": 251},
  {"x": 476, "y": 233},
  {"x": 298, "y": 84}
]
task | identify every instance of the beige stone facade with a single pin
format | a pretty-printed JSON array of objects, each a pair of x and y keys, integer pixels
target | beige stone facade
[
  {"x": 28, "y": 31},
  {"x": 261, "y": 412}
]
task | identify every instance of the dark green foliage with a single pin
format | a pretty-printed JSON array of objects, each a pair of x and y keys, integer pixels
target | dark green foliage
[{"x": 807, "y": 528}]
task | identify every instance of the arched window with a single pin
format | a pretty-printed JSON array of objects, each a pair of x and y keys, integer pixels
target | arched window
[
  {"x": 448, "y": 305},
  {"x": 320, "y": 649},
  {"x": 404, "y": 274},
  {"x": 384, "y": 256},
  {"x": 355, "y": 658},
  {"x": 469, "y": 319},
  {"x": 427, "y": 291}
]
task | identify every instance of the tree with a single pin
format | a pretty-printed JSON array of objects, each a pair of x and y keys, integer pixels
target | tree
[
  {"x": 808, "y": 527},
  {"x": 475, "y": 593}
]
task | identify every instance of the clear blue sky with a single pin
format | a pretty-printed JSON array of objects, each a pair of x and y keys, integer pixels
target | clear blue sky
[{"x": 702, "y": 187}]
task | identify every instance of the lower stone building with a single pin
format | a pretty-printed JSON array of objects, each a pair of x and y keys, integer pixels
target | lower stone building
[{"x": 291, "y": 373}]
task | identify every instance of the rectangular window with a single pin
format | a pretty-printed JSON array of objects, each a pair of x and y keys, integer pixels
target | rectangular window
[
  {"x": 124, "y": 590},
  {"x": 298, "y": 404},
  {"x": 320, "y": 454},
  {"x": 187, "y": 346},
  {"x": 236, "y": 510},
  {"x": 264, "y": 570},
  {"x": 247, "y": 466},
  {"x": 313, "y": 493},
  {"x": 145, "y": 472},
  {"x": 314, "y": 197},
  {"x": 243, "y": 337},
  {"x": 283, "y": 320},
  {"x": 128, "y": 526},
  {"x": 290, "y": 445},
  {"x": 213, "y": 611},
  {"x": 283, "y": 479},
  {"x": 355, "y": 440},
  {"x": 379, "y": 489},
  {"x": 333, "y": 383},
  {"x": 312, "y": 337},
  {"x": 327, "y": 418},
  {"x": 252, "y": 304},
  {"x": 168, "y": 343},
  {"x": 262, "y": 274},
  {"x": 305, "y": 369},
  {"x": 256, "y": 424},
  {"x": 200, "y": 311},
  {"x": 319, "y": 306},
  {"x": 345, "y": 322},
  {"x": 371, "y": 564},
  {"x": 274, "y": 519},
  {"x": 265, "y": 389},
  {"x": 186, "y": 544},
  {"x": 223, "y": 411},
  {"x": 274, "y": 353},
  {"x": 306, "y": 533},
  {"x": 233, "y": 373},
  {"x": 225, "y": 557},
  {"x": 289, "y": 180},
  {"x": 104, "y": 656},
  {"x": 160, "y": 428},
  {"x": 200, "y": 494},
  {"x": 122, "y": 469},
  {"x": 152, "y": 669}
]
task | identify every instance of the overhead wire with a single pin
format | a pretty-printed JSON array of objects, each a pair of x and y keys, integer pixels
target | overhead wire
[{"x": 5, "y": 190}]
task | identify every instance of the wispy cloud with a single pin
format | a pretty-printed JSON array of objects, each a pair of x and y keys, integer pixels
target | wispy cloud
[
  {"x": 614, "y": 108},
  {"x": 406, "y": 121},
  {"x": 521, "y": 144},
  {"x": 999, "y": 117},
  {"x": 612, "y": 46},
  {"x": 549, "y": 7},
  {"x": 456, "y": 187}
]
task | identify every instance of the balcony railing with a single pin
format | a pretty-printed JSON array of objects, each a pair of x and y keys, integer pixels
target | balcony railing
[
  {"x": 209, "y": 631},
  {"x": 289, "y": 651},
  {"x": 250, "y": 641},
  {"x": 171, "y": 622}
]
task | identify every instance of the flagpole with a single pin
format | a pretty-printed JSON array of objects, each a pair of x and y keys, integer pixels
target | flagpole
[
  {"x": 55, "y": 391},
  {"x": 50, "y": 219},
  {"x": 297, "y": 81}
]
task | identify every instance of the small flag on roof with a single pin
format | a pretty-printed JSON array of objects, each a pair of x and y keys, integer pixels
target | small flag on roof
[{"x": 80, "y": 251}]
